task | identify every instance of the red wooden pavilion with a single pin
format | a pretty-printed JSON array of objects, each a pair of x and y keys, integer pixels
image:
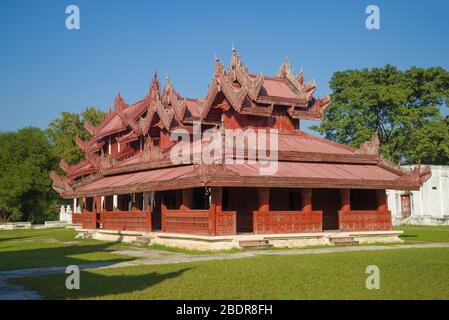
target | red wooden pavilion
[{"x": 129, "y": 182}]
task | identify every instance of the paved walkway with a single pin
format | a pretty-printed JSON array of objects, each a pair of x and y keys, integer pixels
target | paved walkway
[{"x": 154, "y": 257}]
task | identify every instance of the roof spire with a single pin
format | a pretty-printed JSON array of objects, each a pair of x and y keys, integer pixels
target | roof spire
[
  {"x": 154, "y": 86},
  {"x": 285, "y": 70}
]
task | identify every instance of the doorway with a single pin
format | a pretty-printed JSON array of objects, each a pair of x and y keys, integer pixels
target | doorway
[
  {"x": 328, "y": 201},
  {"x": 405, "y": 206}
]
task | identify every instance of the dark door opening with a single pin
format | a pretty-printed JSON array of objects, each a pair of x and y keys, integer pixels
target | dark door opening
[
  {"x": 328, "y": 201},
  {"x": 244, "y": 202}
]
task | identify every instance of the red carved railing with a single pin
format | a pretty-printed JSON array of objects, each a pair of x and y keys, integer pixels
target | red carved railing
[
  {"x": 77, "y": 218},
  {"x": 198, "y": 222},
  {"x": 126, "y": 220},
  {"x": 186, "y": 221},
  {"x": 364, "y": 220},
  {"x": 287, "y": 221},
  {"x": 226, "y": 223},
  {"x": 89, "y": 220}
]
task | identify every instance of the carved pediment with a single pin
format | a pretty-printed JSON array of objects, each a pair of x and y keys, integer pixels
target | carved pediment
[
  {"x": 60, "y": 184},
  {"x": 417, "y": 176},
  {"x": 370, "y": 147}
]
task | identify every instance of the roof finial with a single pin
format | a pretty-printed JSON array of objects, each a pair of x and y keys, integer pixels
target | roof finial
[
  {"x": 216, "y": 58},
  {"x": 233, "y": 49}
]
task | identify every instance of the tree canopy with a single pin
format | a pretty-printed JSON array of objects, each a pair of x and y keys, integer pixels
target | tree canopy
[
  {"x": 26, "y": 160},
  {"x": 63, "y": 131},
  {"x": 403, "y": 107},
  {"x": 27, "y": 157}
]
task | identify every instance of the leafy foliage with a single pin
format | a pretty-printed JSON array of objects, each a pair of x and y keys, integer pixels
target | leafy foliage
[
  {"x": 26, "y": 160},
  {"x": 63, "y": 131},
  {"x": 402, "y": 106}
]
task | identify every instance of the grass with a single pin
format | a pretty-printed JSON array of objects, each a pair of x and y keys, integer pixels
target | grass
[
  {"x": 424, "y": 234},
  {"x": 157, "y": 246},
  {"x": 28, "y": 248},
  {"x": 405, "y": 274}
]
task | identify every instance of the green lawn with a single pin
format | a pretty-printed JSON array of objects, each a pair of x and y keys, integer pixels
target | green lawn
[
  {"x": 422, "y": 234},
  {"x": 405, "y": 274},
  {"x": 21, "y": 249}
]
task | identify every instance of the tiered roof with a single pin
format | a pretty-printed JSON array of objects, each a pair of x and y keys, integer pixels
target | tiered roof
[{"x": 304, "y": 160}]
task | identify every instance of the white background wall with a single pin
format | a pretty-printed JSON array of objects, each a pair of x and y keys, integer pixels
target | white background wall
[{"x": 429, "y": 205}]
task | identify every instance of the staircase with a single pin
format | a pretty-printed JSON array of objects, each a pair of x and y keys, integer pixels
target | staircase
[
  {"x": 348, "y": 240},
  {"x": 141, "y": 241},
  {"x": 255, "y": 244}
]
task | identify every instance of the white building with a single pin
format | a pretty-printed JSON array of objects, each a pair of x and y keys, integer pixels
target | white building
[{"x": 429, "y": 205}]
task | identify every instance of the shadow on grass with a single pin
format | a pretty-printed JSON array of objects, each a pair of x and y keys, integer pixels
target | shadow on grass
[
  {"x": 94, "y": 285},
  {"x": 408, "y": 236},
  {"x": 15, "y": 238},
  {"x": 58, "y": 256}
]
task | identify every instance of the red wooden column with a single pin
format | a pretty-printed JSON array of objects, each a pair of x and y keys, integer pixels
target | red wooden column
[
  {"x": 187, "y": 199},
  {"x": 146, "y": 205},
  {"x": 98, "y": 210},
  {"x": 306, "y": 200},
  {"x": 215, "y": 207},
  {"x": 163, "y": 213},
  {"x": 263, "y": 199},
  {"x": 381, "y": 197},
  {"x": 345, "y": 200},
  {"x": 345, "y": 205}
]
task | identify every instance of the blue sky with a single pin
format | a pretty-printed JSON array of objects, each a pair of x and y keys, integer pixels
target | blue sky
[{"x": 46, "y": 69}]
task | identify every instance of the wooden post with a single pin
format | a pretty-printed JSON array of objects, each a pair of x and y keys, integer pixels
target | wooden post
[
  {"x": 264, "y": 199},
  {"x": 187, "y": 199},
  {"x": 215, "y": 208},
  {"x": 147, "y": 210},
  {"x": 306, "y": 200},
  {"x": 381, "y": 197},
  {"x": 345, "y": 206},
  {"x": 145, "y": 201},
  {"x": 163, "y": 212},
  {"x": 97, "y": 210},
  {"x": 114, "y": 202},
  {"x": 345, "y": 200}
]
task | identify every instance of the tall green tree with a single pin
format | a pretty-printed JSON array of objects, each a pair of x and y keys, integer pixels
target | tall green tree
[
  {"x": 63, "y": 131},
  {"x": 26, "y": 160},
  {"x": 403, "y": 107}
]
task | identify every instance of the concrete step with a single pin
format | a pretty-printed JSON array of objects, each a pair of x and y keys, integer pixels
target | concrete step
[
  {"x": 255, "y": 244},
  {"x": 343, "y": 240},
  {"x": 141, "y": 241}
]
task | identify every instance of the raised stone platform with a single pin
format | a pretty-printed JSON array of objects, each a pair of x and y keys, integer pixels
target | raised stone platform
[{"x": 198, "y": 242}]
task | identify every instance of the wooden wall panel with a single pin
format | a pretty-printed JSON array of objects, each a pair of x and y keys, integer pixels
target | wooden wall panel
[
  {"x": 364, "y": 220},
  {"x": 226, "y": 223},
  {"x": 186, "y": 221},
  {"x": 126, "y": 221},
  {"x": 287, "y": 222}
]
